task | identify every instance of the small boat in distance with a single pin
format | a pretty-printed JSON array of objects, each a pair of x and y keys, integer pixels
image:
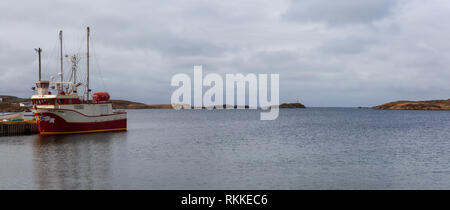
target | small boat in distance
[{"x": 60, "y": 110}]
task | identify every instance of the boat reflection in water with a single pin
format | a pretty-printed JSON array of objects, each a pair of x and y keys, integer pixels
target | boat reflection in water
[{"x": 81, "y": 161}]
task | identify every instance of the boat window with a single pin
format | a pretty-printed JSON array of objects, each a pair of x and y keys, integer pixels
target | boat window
[{"x": 43, "y": 101}]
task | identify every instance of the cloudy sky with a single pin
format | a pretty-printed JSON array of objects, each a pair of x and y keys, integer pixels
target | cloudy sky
[{"x": 327, "y": 52}]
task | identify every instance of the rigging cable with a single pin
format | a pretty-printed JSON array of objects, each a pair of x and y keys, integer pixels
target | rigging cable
[
  {"x": 98, "y": 66},
  {"x": 51, "y": 57}
]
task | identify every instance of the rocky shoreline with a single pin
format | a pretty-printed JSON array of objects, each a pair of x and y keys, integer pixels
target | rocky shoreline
[
  {"x": 416, "y": 105},
  {"x": 12, "y": 104},
  {"x": 9, "y": 107},
  {"x": 124, "y": 104}
]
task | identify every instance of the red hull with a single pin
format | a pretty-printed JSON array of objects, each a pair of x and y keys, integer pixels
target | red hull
[{"x": 58, "y": 125}]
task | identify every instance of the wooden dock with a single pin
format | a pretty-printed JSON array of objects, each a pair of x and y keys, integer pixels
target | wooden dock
[{"x": 16, "y": 128}]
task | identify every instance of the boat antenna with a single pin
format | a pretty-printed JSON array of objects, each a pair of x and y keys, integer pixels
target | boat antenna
[
  {"x": 87, "y": 57},
  {"x": 61, "y": 52},
  {"x": 39, "y": 50}
]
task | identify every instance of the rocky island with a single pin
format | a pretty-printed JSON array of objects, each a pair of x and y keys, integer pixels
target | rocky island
[
  {"x": 417, "y": 105},
  {"x": 292, "y": 105}
]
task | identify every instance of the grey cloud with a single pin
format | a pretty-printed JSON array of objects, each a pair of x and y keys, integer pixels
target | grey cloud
[
  {"x": 165, "y": 42},
  {"x": 347, "y": 45},
  {"x": 338, "y": 12}
]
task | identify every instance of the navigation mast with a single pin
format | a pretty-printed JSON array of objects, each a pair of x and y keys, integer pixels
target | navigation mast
[
  {"x": 87, "y": 57},
  {"x": 39, "y": 50},
  {"x": 61, "y": 53}
]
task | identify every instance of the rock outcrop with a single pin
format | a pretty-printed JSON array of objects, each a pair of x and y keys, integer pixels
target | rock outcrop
[
  {"x": 292, "y": 105},
  {"x": 417, "y": 105}
]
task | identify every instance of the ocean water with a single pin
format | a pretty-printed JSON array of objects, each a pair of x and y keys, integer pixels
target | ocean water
[{"x": 314, "y": 148}]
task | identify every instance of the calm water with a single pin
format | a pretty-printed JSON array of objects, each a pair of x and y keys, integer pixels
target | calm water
[{"x": 315, "y": 148}]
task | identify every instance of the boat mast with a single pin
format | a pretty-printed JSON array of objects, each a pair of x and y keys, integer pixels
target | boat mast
[
  {"x": 87, "y": 57},
  {"x": 61, "y": 53},
  {"x": 39, "y": 50}
]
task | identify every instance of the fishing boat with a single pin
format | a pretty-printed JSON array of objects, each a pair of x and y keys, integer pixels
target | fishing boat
[{"x": 60, "y": 109}]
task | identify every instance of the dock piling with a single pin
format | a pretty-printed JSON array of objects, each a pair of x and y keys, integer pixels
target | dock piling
[{"x": 15, "y": 128}]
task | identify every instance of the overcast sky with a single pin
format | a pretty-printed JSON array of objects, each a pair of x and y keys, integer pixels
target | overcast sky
[{"x": 327, "y": 52}]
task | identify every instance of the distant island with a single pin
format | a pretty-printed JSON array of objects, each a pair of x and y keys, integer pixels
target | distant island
[
  {"x": 292, "y": 105},
  {"x": 16, "y": 104},
  {"x": 417, "y": 105},
  {"x": 124, "y": 104}
]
